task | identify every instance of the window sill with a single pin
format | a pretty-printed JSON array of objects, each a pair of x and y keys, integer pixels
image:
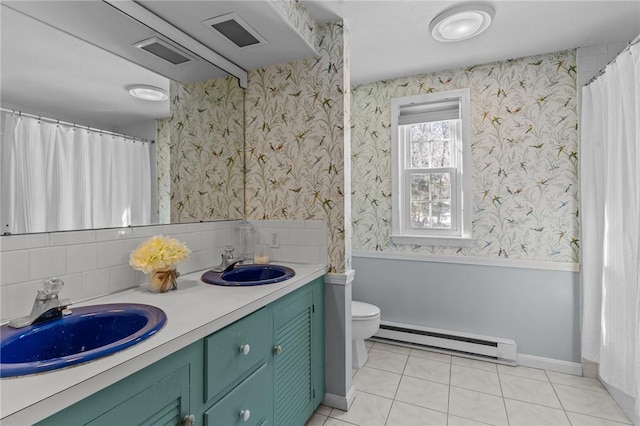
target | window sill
[{"x": 421, "y": 240}]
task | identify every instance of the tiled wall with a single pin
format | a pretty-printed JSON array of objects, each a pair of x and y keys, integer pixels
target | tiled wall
[
  {"x": 300, "y": 241},
  {"x": 96, "y": 262}
]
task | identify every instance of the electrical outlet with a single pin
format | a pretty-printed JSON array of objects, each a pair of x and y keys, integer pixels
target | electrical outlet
[{"x": 275, "y": 240}]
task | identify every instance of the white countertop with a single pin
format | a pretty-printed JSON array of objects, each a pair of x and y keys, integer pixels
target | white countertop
[{"x": 194, "y": 311}]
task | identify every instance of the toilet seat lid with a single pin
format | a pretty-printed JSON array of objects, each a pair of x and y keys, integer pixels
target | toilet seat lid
[{"x": 363, "y": 310}]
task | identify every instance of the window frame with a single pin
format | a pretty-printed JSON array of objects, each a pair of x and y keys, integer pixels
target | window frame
[{"x": 401, "y": 230}]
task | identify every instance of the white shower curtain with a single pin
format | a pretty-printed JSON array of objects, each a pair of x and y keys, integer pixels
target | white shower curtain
[
  {"x": 610, "y": 208},
  {"x": 56, "y": 177}
]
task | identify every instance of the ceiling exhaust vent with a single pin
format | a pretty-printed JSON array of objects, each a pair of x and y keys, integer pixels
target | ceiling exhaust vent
[
  {"x": 165, "y": 50},
  {"x": 233, "y": 28}
]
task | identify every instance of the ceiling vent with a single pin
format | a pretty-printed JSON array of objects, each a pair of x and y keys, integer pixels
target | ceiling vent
[
  {"x": 233, "y": 28},
  {"x": 165, "y": 50}
]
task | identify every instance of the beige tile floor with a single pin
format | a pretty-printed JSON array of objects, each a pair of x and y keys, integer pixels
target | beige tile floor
[{"x": 400, "y": 386}]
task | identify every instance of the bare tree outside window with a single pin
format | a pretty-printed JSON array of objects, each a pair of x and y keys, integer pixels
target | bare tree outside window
[{"x": 430, "y": 148}]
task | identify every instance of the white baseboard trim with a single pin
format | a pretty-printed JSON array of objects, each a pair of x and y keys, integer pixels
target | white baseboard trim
[
  {"x": 551, "y": 364},
  {"x": 340, "y": 402},
  {"x": 344, "y": 278}
]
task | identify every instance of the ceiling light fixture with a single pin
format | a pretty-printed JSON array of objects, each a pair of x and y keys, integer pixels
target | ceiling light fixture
[
  {"x": 461, "y": 22},
  {"x": 148, "y": 93}
]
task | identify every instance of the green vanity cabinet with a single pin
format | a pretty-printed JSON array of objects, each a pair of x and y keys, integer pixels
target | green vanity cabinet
[
  {"x": 264, "y": 369},
  {"x": 156, "y": 395},
  {"x": 298, "y": 385}
]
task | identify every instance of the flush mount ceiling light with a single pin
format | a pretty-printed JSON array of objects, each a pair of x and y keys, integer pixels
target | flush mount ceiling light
[
  {"x": 148, "y": 93},
  {"x": 461, "y": 22}
]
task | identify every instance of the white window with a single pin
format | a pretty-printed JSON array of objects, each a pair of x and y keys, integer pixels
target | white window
[{"x": 431, "y": 169}]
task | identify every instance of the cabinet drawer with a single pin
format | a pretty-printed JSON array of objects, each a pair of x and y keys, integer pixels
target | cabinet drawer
[
  {"x": 249, "y": 398},
  {"x": 225, "y": 361}
]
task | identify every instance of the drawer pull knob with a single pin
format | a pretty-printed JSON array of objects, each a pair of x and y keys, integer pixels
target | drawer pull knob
[
  {"x": 189, "y": 420},
  {"x": 244, "y": 349},
  {"x": 277, "y": 349},
  {"x": 244, "y": 415}
]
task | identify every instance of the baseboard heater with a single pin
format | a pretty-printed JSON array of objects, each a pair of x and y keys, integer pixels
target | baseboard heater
[{"x": 469, "y": 345}]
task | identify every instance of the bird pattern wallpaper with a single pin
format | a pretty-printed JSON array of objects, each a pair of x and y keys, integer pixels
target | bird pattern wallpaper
[
  {"x": 299, "y": 17},
  {"x": 295, "y": 115},
  {"x": 205, "y": 140},
  {"x": 524, "y": 152}
]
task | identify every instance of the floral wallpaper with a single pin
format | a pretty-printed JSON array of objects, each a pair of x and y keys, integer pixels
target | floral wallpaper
[
  {"x": 163, "y": 170},
  {"x": 295, "y": 117},
  {"x": 206, "y": 143},
  {"x": 524, "y": 153},
  {"x": 298, "y": 15}
]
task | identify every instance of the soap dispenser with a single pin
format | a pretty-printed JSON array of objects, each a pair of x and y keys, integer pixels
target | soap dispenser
[{"x": 247, "y": 236}]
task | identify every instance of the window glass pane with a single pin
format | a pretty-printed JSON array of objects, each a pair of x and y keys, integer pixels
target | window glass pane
[
  {"x": 440, "y": 186},
  {"x": 440, "y": 215},
  {"x": 440, "y": 130},
  {"x": 420, "y": 154},
  {"x": 420, "y": 214},
  {"x": 430, "y": 144},
  {"x": 420, "y": 132},
  {"x": 430, "y": 204},
  {"x": 440, "y": 153},
  {"x": 420, "y": 187}
]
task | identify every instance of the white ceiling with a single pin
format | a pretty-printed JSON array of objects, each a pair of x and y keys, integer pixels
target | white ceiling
[
  {"x": 390, "y": 38},
  {"x": 66, "y": 78}
]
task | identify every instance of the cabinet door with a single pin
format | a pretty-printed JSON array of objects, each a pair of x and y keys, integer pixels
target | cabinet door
[
  {"x": 293, "y": 392},
  {"x": 158, "y": 394},
  {"x": 164, "y": 403},
  {"x": 318, "y": 345}
]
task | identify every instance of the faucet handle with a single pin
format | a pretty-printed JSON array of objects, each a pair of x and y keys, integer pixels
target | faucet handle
[
  {"x": 52, "y": 287},
  {"x": 228, "y": 253}
]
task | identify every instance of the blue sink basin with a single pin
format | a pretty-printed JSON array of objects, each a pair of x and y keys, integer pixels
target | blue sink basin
[
  {"x": 248, "y": 275},
  {"x": 90, "y": 332}
]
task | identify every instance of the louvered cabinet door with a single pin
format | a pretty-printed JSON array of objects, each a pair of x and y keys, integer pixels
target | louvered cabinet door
[{"x": 293, "y": 392}]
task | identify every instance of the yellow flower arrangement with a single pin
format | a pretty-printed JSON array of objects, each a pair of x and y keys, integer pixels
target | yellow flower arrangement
[{"x": 157, "y": 253}]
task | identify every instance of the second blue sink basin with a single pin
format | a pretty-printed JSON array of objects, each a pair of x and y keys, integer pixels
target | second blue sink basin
[
  {"x": 248, "y": 275},
  {"x": 89, "y": 333}
]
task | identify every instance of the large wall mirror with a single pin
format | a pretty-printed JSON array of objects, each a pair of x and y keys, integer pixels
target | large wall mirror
[{"x": 59, "y": 87}]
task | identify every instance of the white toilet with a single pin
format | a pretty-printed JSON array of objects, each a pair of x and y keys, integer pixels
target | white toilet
[{"x": 365, "y": 321}]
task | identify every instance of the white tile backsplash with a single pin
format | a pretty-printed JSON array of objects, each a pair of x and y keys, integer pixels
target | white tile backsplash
[
  {"x": 46, "y": 262},
  {"x": 22, "y": 242},
  {"x": 71, "y": 237},
  {"x": 114, "y": 234},
  {"x": 13, "y": 267},
  {"x": 95, "y": 283},
  {"x": 122, "y": 277},
  {"x": 109, "y": 254},
  {"x": 96, "y": 262},
  {"x": 81, "y": 258}
]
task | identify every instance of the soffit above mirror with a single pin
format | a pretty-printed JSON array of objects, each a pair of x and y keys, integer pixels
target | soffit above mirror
[
  {"x": 279, "y": 41},
  {"x": 128, "y": 28}
]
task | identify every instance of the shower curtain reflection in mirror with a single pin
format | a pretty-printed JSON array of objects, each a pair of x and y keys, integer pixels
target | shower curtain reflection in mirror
[{"x": 57, "y": 177}]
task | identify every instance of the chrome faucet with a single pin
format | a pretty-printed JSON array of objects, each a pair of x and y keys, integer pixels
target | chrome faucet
[
  {"x": 227, "y": 260},
  {"x": 46, "y": 307}
]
